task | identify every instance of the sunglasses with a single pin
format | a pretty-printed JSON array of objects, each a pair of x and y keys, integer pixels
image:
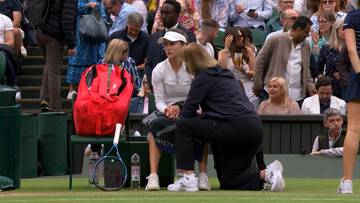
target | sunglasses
[{"x": 328, "y": 2}]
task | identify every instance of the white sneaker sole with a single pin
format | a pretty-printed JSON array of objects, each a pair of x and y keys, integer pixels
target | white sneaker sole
[
  {"x": 152, "y": 188},
  {"x": 204, "y": 188}
]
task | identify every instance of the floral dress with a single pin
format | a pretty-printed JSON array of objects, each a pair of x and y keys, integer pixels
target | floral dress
[{"x": 86, "y": 53}]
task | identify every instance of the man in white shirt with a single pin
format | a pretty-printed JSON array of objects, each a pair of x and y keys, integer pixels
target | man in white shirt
[
  {"x": 286, "y": 55},
  {"x": 332, "y": 143},
  {"x": 6, "y": 31},
  {"x": 323, "y": 100},
  {"x": 207, "y": 35}
]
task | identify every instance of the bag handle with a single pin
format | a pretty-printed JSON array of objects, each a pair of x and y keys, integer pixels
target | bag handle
[
  {"x": 124, "y": 81},
  {"x": 89, "y": 78}
]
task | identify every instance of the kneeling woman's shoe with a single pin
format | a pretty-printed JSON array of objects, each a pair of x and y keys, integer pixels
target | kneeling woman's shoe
[
  {"x": 274, "y": 176},
  {"x": 188, "y": 183}
]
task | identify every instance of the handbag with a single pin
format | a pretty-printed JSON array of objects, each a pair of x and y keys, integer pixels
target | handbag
[
  {"x": 149, "y": 119},
  {"x": 92, "y": 27}
]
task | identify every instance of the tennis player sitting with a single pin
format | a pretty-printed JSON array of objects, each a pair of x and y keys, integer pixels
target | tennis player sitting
[
  {"x": 228, "y": 119},
  {"x": 171, "y": 83}
]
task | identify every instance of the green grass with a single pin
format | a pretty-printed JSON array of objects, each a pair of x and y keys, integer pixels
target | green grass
[{"x": 56, "y": 190}]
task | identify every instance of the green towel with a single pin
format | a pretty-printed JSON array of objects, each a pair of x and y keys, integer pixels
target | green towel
[{"x": 6, "y": 183}]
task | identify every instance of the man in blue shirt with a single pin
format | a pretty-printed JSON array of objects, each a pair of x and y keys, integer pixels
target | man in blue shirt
[
  {"x": 138, "y": 40},
  {"x": 120, "y": 9}
]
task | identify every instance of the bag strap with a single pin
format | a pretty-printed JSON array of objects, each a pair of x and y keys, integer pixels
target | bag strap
[
  {"x": 124, "y": 81},
  {"x": 89, "y": 78}
]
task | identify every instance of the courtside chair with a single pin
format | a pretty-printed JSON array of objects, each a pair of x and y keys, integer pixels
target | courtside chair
[{"x": 77, "y": 139}]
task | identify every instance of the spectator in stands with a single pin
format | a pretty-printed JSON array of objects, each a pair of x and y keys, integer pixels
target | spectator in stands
[
  {"x": 170, "y": 12},
  {"x": 188, "y": 18},
  {"x": 228, "y": 119},
  {"x": 87, "y": 52},
  {"x": 207, "y": 35},
  {"x": 251, "y": 14},
  {"x": 119, "y": 55},
  {"x": 140, "y": 104},
  {"x": 279, "y": 101},
  {"x": 219, "y": 10},
  {"x": 326, "y": 5},
  {"x": 330, "y": 144},
  {"x": 287, "y": 55},
  {"x": 58, "y": 27},
  {"x": 324, "y": 99},
  {"x": 275, "y": 22},
  {"x": 321, "y": 37},
  {"x": 12, "y": 9},
  {"x": 329, "y": 56},
  {"x": 306, "y": 7},
  {"x": 288, "y": 18},
  {"x": 6, "y": 48},
  {"x": 142, "y": 10},
  {"x": 137, "y": 39},
  {"x": 120, "y": 9},
  {"x": 352, "y": 36},
  {"x": 239, "y": 57},
  {"x": 171, "y": 83}
]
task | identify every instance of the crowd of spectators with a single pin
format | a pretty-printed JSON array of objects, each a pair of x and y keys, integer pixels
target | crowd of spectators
[{"x": 302, "y": 67}]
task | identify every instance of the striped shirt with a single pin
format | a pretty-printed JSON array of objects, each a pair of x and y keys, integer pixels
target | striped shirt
[{"x": 352, "y": 21}]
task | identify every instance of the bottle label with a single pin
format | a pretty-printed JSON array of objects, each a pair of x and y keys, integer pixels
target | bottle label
[{"x": 135, "y": 173}]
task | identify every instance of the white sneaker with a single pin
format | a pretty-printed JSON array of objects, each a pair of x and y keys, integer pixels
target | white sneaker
[
  {"x": 345, "y": 187},
  {"x": 187, "y": 183},
  {"x": 153, "y": 183},
  {"x": 274, "y": 176},
  {"x": 18, "y": 95},
  {"x": 204, "y": 182},
  {"x": 70, "y": 94},
  {"x": 23, "y": 51}
]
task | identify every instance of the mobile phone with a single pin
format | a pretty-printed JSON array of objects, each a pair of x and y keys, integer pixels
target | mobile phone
[{"x": 252, "y": 10}]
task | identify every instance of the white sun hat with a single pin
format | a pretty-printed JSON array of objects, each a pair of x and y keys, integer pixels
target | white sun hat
[{"x": 173, "y": 37}]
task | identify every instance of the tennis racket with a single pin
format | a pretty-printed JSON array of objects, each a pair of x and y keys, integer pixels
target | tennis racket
[{"x": 110, "y": 172}]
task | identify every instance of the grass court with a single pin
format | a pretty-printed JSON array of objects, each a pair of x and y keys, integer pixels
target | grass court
[{"x": 55, "y": 189}]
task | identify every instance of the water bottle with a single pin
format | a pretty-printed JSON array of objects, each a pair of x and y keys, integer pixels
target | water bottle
[
  {"x": 135, "y": 171},
  {"x": 94, "y": 157}
]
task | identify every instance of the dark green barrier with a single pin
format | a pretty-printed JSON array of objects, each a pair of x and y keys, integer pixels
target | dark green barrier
[
  {"x": 10, "y": 132},
  {"x": 7, "y": 95},
  {"x": 52, "y": 131},
  {"x": 29, "y": 146}
]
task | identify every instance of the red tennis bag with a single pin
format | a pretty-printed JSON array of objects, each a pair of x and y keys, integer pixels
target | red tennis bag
[{"x": 103, "y": 100}]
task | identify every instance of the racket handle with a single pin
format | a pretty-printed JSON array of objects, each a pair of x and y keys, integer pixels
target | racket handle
[{"x": 117, "y": 133}]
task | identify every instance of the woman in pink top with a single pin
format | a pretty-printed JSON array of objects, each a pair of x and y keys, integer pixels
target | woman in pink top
[{"x": 279, "y": 101}]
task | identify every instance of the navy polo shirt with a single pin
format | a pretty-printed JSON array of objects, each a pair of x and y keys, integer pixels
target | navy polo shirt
[{"x": 137, "y": 48}]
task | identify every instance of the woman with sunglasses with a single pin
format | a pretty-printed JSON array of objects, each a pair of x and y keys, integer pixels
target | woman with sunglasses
[
  {"x": 239, "y": 58},
  {"x": 326, "y": 5},
  {"x": 330, "y": 54}
]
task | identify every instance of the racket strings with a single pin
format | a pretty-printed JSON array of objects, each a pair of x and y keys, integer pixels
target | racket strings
[{"x": 109, "y": 174}]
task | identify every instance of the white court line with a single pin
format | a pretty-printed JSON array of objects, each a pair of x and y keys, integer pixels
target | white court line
[{"x": 184, "y": 198}]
